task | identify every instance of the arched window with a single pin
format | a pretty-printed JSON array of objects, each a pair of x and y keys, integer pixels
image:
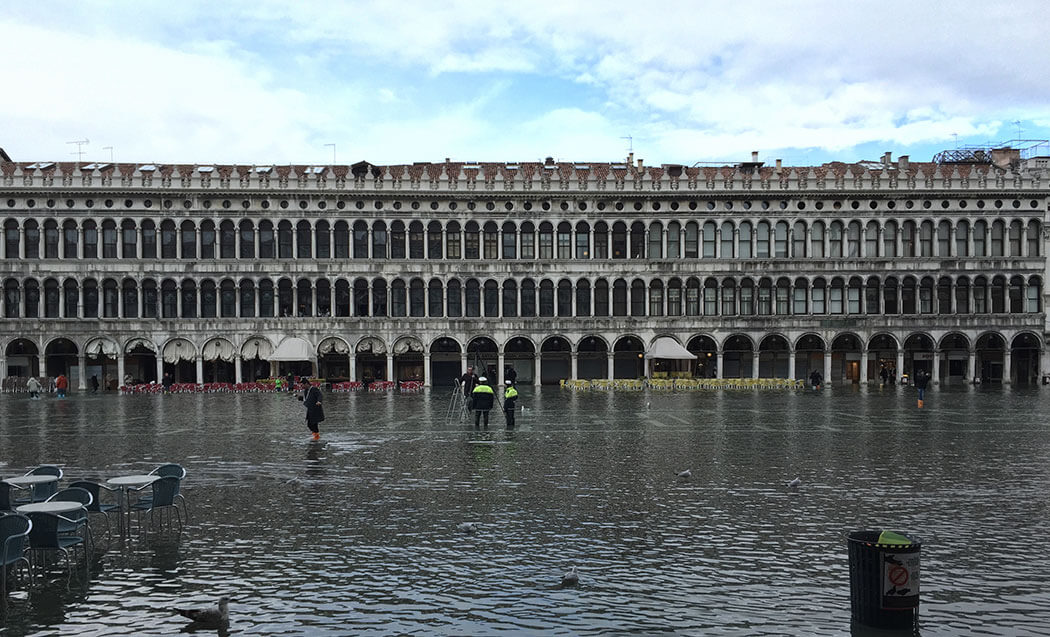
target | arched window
[
  {"x": 341, "y": 240},
  {"x": 361, "y": 298},
  {"x": 908, "y": 239},
  {"x": 51, "y": 239},
  {"x": 471, "y": 241},
  {"x": 583, "y": 297},
  {"x": 546, "y": 240},
  {"x": 284, "y": 240},
  {"x": 267, "y": 299},
  {"x": 267, "y": 240},
  {"x": 890, "y": 296},
  {"x": 247, "y": 232},
  {"x": 780, "y": 240},
  {"x": 129, "y": 298},
  {"x": 871, "y": 296},
  {"x": 819, "y": 296},
  {"x": 853, "y": 239},
  {"x": 189, "y": 298},
  {"x": 149, "y": 298},
  {"x": 835, "y": 239},
  {"x": 208, "y": 239},
  {"x": 1017, "y": 293},
  {"x": 12, "y": 299},
  {"x": 53, "y": 298},
  {"x": 70, "y": 240},
  {"x": 227, "y": 299},
  {"x": 782, "y": 296},
  {"x": 323, "y": 240},
  {"x": 816, "y": 240},
  {"x": 619, "y": 240},
  {"x": 836, "y": 296},
  {"x": 227, "y": 240},
  {"x": 637, "y": 240},
  {"x": 601, "y": 297},
  {"x": 546, "y": 297},
  {"x": 926, "y": 239},
  {"x": 11, "y": 240},
  {"x": 656, "y": 297},
  {"x": 637, "y": 298},
  {"x": 798, "y": 240},
  {"x": 247, "y": 291},
  {"x": 944, "y": 239},
  {"x": 710, "y": 296},
  {"x": 379, "y": 240},
  {"x": 762, "y": 240},
  {"x": 397, "y": 240},
  {"x": 799, "y": 301},
  {"x": 944, "y": 295},
  {"x": 435, "y": 298},
  {"x": 454, "y": 299},
  {"x": 90, "y": 235},
  {"x": 583, "y": 241},
  {"x": 129, "y": 240},
  {"x": 361, "y": 240},
  {"x": 962, "y": 238},
  {"x": 109, "y": 239},
  {"x": 853, "y": 295},
  {"x": 434, "y": 241},
  {"x": 747, "y": 297},
  {"x": 510, "y": 298},
  {"x": 728, "y": 240},
  {"x": 473, "y": 298},
  {"x": 962, "y": 295},
  {"x": 998, "y": 237},
  {"x": 619, "y": 298},
  {"x": 416, "y": 303},
  {"x": 528, "y": 240},
  {"x": 765, "y": 296},
  {"x": 32, "y": 299},
  {"x": 889, "y": 239},
  {"x": 656, "y": 235},
  {"x": 674, "y": 240},
  {"x": 1034, "y": 239},
  {"x": 169, "y": 299},
  {"x": 1034, "y": 295},
  {"x": 415, "y": 240},
  {"x": 728, "y": 297},
  {"x": 379, "y": 298},
  {"x": 908, "y": 304},
  {"x": 564, "y": 240},
  {"x": 453, "y": 239},
  {"x": 980, "y": 294},
  {"x": 398, "y": 298},
  {"x": 564, "y": 298},
  {"x": 744, "y": 241},
  {"x": 709, "y": 240},
  {"x": 692, "y": 240},
  {"x": 490, "y": 301},
  {"x": 980, "y": 239},
  {"x": 209, "y": 300},
  {"x": 528, "y": 297},
  {"x": 509, "y": 233},
  {"x": 601, "y": 240},
  {"x": 674, "y": 297},
  {"x": 1015, "y": 238},
  {"x": 871, "y": 240},
  {"x": 999, "y": 294}
]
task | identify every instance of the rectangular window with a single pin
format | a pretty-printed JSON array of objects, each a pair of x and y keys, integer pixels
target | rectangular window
[
  {"x": 727, "y": 242},
  {"x": 266, "y": 243},
  {"x": 674, "y": 301},
  {"x": 109, "y": 244},
  {"x": 510, "y": 301},
  {"x": 546, "y": 245},
  {"x": 835, "y": 301},
  {"x": 962, "y": 249},
  {"x": 692, "y": 301},
  {"x": 1032, "y": 298},
  {"x": 783, "y": 306},
  {"x": 978, "y": 242},
  {"x": 601, "y": 301},
  {"x": 800, "y": 301},
  {"x": 710, "y": 301},
  {"x": 728, "y": 301},
  {"x": 747, "y": 301},
  {"x": 397, "y": 244},
  {"x": 656, "y": 302},
  {"x": 980, "y": 299},
  {"x": 762, "y": 241},
  {"x": 324, "y": 245},
  {"x": 208, "y": 243},
  {"x": 33, "y": 243},
  {"x": 583, "y": 250},
  {"x": 379, "y": 244},
  {"x": 853, "y": 300},
  {"x": 452, "y": 245},
  {"x": 471, "y": 249},
  {"x": 765, "y": 301},
  {"x": 415, "y": 244},
  {"x": 656, "y": 248},
  {"x": 564, "y": 245},
  {"x": 434, "y": 245},
  {"x": 692, "y": 241},
  {"x": 835, "y": 241},
  {"x": 342, "y": 244},
  {"x": 816, "y": 242},
  {"x": 69, "y": 240},
  {"x": 780, "y": 241},
  {"x": 228, "y": 243},
  {"x": 583, "y": 300},
  {"x": 709, "y": 241},
  {"x": 51, "y": 243},
  {"x": 90, "y": 243},
  {"x": 889, "y": 241},
  {"x": 435, "y": 307},
  {"x": 601, "y": 245},
  {"x": 925, "y": 299},
  {"x": 674, "y": 242},
  {"x": 129, "y": 249},
  {"x": 744, "y": 251}
]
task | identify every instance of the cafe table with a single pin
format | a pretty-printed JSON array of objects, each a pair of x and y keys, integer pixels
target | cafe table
[{"x": 125, "y": 484}]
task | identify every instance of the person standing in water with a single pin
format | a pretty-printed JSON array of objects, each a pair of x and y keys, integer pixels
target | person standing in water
[
  {"x": 921, "y": 382},
  {"x": 510, "y": 403},
  {"x": 484, "y": 398},
  {"x": 314, "y": 410},
  {"x": 33, "y": 386},
  {"x": 61, "y": 384}
]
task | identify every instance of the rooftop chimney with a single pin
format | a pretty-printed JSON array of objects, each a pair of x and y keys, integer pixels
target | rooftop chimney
[
  {"x": 1006, "y": 157},
  {"x": 887, "y": 159},
  {"x": 640, "y": 164},
  {"x": 902, "y": 162},
  {"x": 754, "y": 156},
  {"x": 779, "y": 164}
]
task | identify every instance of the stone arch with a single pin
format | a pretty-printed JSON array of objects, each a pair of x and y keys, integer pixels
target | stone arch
[
  {"x": 408, "y": 359},
  {"x": 774, "y": 352},
  {"x": 706, "y": 349},
  {"x": 592, "y": 357},
  {"x": 738, "y": 356},
  {"x": 628, "y": 357},
  {"x": 1025, "y": 353},
  {"x": 217, "y": 356}
]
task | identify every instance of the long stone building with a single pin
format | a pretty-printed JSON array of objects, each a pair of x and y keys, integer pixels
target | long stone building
[{"x": 559, "y": 269}]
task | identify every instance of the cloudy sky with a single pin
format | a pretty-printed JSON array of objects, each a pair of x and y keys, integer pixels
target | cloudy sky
[{"x": 272, "y": 82}]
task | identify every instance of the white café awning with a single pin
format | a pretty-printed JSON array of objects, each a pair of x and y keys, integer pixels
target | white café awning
[
  {"x": 292, "y": 349},
  {"x": 667, "y": 347}
]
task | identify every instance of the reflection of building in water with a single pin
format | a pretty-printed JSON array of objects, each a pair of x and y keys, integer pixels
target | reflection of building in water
[{"x": 558, "y": 269}]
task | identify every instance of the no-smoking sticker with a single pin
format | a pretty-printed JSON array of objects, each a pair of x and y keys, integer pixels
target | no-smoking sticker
[{"x": 900, "y": 580}]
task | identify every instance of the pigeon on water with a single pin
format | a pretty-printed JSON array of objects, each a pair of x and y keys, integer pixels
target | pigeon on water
[
  {"x": 467, "y": 527},
  {"x": 685, "y": 474},
  {"x": 211, "y": 617},
  {"x": 794, "y": 483},
  {"x": 571, "y": 578}
]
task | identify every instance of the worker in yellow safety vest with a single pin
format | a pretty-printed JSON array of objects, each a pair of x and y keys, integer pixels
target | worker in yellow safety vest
[
  {"x": 484, "y": 398},
  {"x": 510, "y": 403}
]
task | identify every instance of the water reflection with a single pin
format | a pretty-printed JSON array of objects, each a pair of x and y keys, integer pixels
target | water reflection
[{"x": 359, "y": 532}]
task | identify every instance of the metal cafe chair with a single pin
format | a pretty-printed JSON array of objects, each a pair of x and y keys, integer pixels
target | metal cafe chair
[
  {"x": 97, "y": 506},
  {"x": 163, "y": 495},
  {"x": 177, "y": 471},
  {"x": 14, "y": 529},
  {"x": 76, "y": 520},
  {"x": 44, "y": 536},
  {"x": 44, "y": 490}
]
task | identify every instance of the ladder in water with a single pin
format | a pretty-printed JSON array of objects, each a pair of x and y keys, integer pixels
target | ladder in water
[{"x": 457, "y": 405}]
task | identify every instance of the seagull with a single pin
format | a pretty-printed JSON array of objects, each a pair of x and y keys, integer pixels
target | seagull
[
  {"x": 571, "y": 578},
  {"x": 685, "y": 474},
  {"x": 467, "y": 527},
  {"x": 794, "y": 483},
  {"x": 211, "y": 617}
]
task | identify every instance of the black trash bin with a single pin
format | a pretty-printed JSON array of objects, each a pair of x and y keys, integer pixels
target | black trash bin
[{"x": 884, "y": 578}]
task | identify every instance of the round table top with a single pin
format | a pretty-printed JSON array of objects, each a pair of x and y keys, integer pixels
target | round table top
[
  {"x": 132, "y": 481},
  {"x": 25, "y": 481},
  {"x": 56, "y": 506}
]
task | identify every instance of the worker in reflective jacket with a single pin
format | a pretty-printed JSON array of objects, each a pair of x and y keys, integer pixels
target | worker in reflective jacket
[
  {"x": 484, "y": 398},
  {"x": 510, "y": 403}
]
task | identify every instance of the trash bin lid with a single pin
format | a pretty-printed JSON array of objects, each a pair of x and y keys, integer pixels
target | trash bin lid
[{"x": 894, "y": 538}]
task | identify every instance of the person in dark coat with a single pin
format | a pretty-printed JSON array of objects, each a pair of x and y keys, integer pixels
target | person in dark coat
[
  {"x": 94, "y": 383},
  {"x": 314, "y": 410},
  {"x": 511, "y": 374},
  {"x": 921, "y": 382},
  {"x": 468, "y": 380},
  {"x": 484, "y": 398},
  {"x": 815, "y": 379},
  {"x": 291, "y": 382},
  {"x": 510, "y": 403}
]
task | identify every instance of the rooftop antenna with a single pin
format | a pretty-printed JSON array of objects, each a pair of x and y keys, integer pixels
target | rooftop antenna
[
  {"x": 333, "y": 153},
  {"x": 630, "y": 143},
  {"x": 79, "y": 152},
  {"x": 956, "y": 136},
  {"x": 110, "y": 149},
  {"x": 1017, "y": 123}
]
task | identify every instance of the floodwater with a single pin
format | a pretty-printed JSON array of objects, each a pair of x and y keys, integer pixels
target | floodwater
[{"x": 357, "y": 534}]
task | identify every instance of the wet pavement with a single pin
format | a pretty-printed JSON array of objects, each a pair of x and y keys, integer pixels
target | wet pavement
[{"x": 361, "y": 533}]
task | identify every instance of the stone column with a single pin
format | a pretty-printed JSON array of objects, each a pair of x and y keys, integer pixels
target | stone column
[
  {"x": 462, "y": 363},
  {"x": 1007, "y": 364},
  {"x": 791, "y": 364},
  {"x": 500, "y": 366},
  {"x": 390, "y": 366},
  {"x": 827, "y": 367},
  {"x": 200, "y": 369},
  {"x": 120, "y": 369},
  {"x": 160, "y": 368},
  {"x": 936, "y": 367},
  {"x": 353, "y": 365},
  {"x": 900, "y": 363},
  {"x": 80, "y": 245},
  {"x": 237, "y": 376},
  {"x": 575, "y": 366},
  {"x": 536, "y": 370},
  {"x": 952, "y": 301},
  {"x": 721, "y": 356},
  {"x": 863, "y": 378},
  {"x": 313, "y": 297},
  {"x": 21, "y": 242},
  {"x": 426, "y": 369},
  {"x": 971, "y": 365},
  {"x": 178, "y": 301},
  {"x": 3, "y": 367},
  {"x": 755, "y": 355},
  {"x": 609, "y": 365},
  {"x": 80, "y": 300},
  {"x": 82, "y": 366}
]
